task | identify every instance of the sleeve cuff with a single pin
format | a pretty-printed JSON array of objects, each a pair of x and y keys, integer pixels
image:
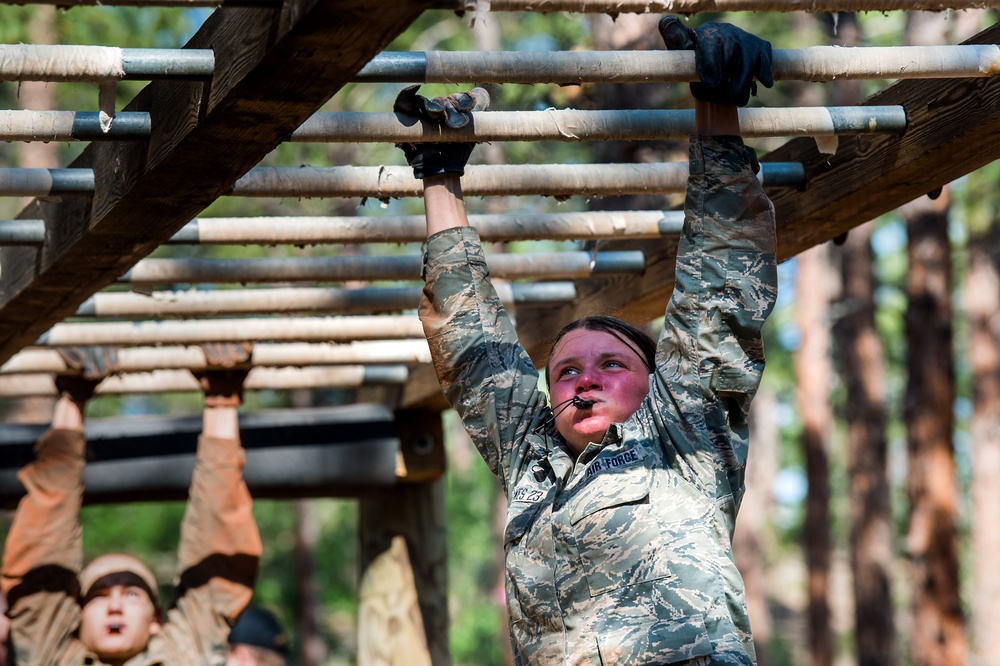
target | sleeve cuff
[
  {"x": 728, "y": 155},
  {"x": 452, "y": 247}
]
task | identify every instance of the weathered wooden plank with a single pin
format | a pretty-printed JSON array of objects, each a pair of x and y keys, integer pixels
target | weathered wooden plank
[
  {"x": 274, "y": 68},
  {"x": 953, "y": 129},
  {"x": 344, "y": 451}
]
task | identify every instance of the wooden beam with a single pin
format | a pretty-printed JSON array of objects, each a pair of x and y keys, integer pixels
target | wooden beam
[
  {"x": 317, "y": 452},
  {"x": 274, "y": 68},
  {"x": 954, "y": 128}
]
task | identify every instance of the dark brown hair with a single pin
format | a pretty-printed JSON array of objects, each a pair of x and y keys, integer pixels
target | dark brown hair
[{"x": 619, "y": 328}]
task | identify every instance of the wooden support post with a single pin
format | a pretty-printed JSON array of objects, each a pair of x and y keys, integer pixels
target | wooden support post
[{"x": 408, "y": 518}]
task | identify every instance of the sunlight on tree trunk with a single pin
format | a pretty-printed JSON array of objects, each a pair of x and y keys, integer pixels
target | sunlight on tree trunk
[
  {"x": 306, "y": 536},
  {"x": 938, "y": 632},
  {"x": 982, "y": 303},
  {"x": 862, "y": 369},
  {"x": 812, "y": 389}
]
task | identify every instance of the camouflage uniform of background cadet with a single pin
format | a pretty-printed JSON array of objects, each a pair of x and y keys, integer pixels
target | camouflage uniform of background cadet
[
  {"x": 218, "y": 554},
  {"x": 624, "y": 556}
]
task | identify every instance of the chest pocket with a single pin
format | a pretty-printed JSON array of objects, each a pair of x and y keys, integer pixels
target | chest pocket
[{"x": 617, "y": 530}]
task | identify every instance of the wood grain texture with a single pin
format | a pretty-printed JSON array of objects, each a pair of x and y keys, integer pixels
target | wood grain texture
[{"x": 274, "y": 68}]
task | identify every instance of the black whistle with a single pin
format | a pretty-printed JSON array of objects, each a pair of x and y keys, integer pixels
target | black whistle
[{"x": 581, "y": 403}]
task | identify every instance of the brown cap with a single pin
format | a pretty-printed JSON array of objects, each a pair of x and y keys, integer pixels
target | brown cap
[{"x": 117, "y": 563}]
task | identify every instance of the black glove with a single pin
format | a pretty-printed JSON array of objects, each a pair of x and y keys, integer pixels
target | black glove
[
  {"x": 222, "y": 381},
  {"x": 91, "y": 365},
  {"x": 92, "y": 362},
  {"x": 79, "y": 390},
  {"x": 455, "y": 111},
  {"x": 727, "y": 59}
]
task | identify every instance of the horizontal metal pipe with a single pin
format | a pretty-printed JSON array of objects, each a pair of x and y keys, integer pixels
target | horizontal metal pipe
[
  {"x": 553, "y": 265},
  {"x": 147, "y": 359},
  {"x": 562, "y": 180},
  {"x": 177, "y": 381},
  {"x": 699, "y": 6},
  {"x": 584, "y": 225},
  {"x": 814, "y": 63},
  {"x": 278, "y": 329},
  {"x": 150, "y": 64},
  {"x": 300, "y": 300},
  {"x": 20, "y": 125},
  {"x": 19, "y": 182},
  {"x": 60, "y": 62},
  {"x": 22, "y": 232},
  {"x": 575, "y": 125}
]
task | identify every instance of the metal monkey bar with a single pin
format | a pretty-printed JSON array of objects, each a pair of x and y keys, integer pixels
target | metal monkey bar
[
  {"x": 813, "y": 63},
  {"x": 550, "y": 125},
  {"x": 298, "y": 300},
  {"x": 587, "y": 6},
  {"x": 44, "y": 62},
  {"x": 563, "y": 180},
  {"x": 174, "y": 381},
  {"x": 277, "y": 329},
  {"x": 147, "y": 359},
  {"x": 395, "y": 182},
  {"x": 552, "y": 265},
  {"x": 575, "y": 125}
]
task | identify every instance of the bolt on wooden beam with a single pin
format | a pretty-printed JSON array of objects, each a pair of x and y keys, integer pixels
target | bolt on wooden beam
[
  {"x": 180, "y": 381},
  {"x": 298, "y": 300},
  {"x": 552, "y": 265},
  {"x": 576, "y": 125},
  {"x": 275, "y": 329},
  {"x": 814, "y": 63},
  {"x": 558, "y": 180},
  {"x": 147, "y": 359}
]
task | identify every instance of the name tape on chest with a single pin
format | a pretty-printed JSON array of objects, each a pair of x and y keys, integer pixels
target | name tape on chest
[
  {"x": 615, "y": 462},
  {"x": 529, "y": 495}
]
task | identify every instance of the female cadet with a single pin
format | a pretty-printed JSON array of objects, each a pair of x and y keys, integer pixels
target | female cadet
[{"x": 622, "y": 496}]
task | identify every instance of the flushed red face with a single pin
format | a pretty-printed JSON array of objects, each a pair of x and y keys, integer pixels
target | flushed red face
[
  {"x": 598, "y": 367},
  {"x": 117, "y": 622}
]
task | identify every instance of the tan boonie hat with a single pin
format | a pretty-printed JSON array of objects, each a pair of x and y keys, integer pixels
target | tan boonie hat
[{"x": 117, "y": 563}]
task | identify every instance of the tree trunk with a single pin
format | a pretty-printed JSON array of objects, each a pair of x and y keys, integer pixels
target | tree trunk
[
  {"x": 982, "y": 303},
  {"x": 812, "y": 382},
  {"x": 938, "y": 633},
  {"x": 862, "y": 369},
  {"x": 313, "y": 646},
  {"x": 938, "y": 630}
]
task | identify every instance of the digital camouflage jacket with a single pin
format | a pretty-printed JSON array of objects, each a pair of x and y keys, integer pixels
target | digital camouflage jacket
[
  {"x": 219, "y": 551},
  {"x": 624, "y": 556}
]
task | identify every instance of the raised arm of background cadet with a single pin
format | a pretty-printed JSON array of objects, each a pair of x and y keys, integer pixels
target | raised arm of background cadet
[
  {"x": 44, "y": 549},
  {"x": 220, "y": 544}
]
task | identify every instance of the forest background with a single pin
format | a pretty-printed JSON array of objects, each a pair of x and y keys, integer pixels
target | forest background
[{"x": 869, "y": 531}]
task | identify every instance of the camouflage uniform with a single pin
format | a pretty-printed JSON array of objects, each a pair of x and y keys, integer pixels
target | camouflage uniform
[
  {"x": 219, "y": 551},
  {"x": 624, "y": 555}
]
